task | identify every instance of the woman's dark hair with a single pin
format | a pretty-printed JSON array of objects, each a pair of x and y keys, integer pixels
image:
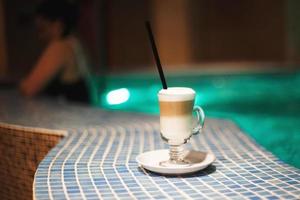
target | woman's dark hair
[{"x": 61, "y": 10}]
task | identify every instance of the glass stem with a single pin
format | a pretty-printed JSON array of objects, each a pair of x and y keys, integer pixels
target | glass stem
[{"x": 175, "y": 153}]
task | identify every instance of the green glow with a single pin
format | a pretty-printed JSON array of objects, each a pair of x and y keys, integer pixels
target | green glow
[{"x": 118, "y": 96}]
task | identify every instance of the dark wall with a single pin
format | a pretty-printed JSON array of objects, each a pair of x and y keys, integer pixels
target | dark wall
[
  {"x": 21, "y": 43},
  {"x": 128, "y": 46},
  {"x": 217, "y": 30},
  {"x": 238, "y": 30}
]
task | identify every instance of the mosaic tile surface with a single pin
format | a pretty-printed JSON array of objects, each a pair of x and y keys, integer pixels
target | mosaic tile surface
[
  {"x": 96, "y": 159},
  {"x": 99, "y": 163}
]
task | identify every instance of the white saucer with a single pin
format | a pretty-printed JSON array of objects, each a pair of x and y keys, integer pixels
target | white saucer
[{"x": 198, "y": 160}]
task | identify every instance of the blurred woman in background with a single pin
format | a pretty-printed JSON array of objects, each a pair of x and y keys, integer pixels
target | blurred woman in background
[{"x": 62, "y": 69}]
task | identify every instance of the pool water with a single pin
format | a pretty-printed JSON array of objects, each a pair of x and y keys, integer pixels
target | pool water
[{"x": 266, "y": 106}]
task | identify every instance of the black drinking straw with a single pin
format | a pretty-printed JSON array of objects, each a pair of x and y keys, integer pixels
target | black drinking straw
[{"x": 156, "y": 56}]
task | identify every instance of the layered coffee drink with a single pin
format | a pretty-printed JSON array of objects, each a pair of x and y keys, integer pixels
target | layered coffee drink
[{"x": 176, "y": 107}]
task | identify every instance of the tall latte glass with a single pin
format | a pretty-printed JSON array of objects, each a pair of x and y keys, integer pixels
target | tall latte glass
[{"x": 176, "y": 120}]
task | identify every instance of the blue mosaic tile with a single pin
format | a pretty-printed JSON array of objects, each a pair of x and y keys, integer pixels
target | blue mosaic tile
[
  {"x": 100, "y": 174},
  {"x": 96, "y": 159}
]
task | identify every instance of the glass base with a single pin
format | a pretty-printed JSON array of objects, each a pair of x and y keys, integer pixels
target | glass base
[{"x": 176, "y": 159}]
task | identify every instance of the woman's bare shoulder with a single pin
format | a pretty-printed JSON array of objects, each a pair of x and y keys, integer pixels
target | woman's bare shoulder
[{"x": 58, "y": 45}]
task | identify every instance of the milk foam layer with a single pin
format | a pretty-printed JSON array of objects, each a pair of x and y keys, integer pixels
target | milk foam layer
[
  {"x": 176, "y": 94},
  {"x": 176, "y": 129}
]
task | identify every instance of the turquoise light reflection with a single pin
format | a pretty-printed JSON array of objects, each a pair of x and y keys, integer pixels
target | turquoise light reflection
[{"x": 117, "y": 96}]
